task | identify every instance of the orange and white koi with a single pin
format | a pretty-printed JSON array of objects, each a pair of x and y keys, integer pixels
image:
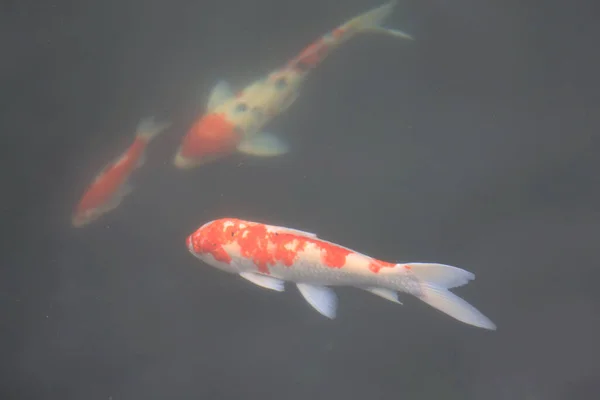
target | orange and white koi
[
  {"x": 111, "y": 184},
  {"x": 234, "y": 122},
  {"x": 269, "y": 256}
]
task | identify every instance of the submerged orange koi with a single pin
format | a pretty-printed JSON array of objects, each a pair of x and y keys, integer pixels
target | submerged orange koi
[{"x": 111, "y": 184}]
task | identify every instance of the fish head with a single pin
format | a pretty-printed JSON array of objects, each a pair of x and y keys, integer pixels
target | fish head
[
  {"x": 83, "y": 216},
  {"x": 97, "y": 202},
  {"x": 211, "y": 137},
  {"x": 212, "y": 244},
  {"x": 88, "y": 209}
]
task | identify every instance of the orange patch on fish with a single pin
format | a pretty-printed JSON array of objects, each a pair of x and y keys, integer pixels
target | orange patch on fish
[
  {"x": 377, "y": 265},
  {"x": 338, "y": 32},
  {"x": 210, "y": 240},
  {"x": 313, "y": 54},
  {"x": 212, "y": 134},
  {"x": 334, "y": 256}
]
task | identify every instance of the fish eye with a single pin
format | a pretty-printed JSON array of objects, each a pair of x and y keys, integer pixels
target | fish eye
[
  {"x": 241, "y": 107},
  {"x": 281, "y": 83}
]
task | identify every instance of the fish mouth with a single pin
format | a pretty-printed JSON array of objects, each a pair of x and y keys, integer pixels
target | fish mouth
[
  {"x": 182, "y": 162},
  {"x": 78, "y": 221},
  {"x": 190, "y": 245},
  {"x": 84, "y": 218}
]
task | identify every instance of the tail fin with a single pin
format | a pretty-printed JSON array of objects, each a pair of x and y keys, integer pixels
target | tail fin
[
  {"x": 434, "y": 282},
  {"x": 372, "y": 21},
  {"x": 148, "y": 128}
]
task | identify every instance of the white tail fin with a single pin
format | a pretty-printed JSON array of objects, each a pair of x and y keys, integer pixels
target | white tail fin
[
  {"x": 148, "y": 128},
  {"x": 434, "y": 282},
  {"x": 372, "y": 21},
  {"x": 441, "y": 275}
]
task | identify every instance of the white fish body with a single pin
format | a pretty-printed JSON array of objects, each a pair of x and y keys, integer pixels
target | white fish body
[{"x": 269, "y": 256}]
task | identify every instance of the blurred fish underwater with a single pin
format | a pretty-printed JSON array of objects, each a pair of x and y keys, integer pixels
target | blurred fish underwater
[{"x": 475, "y": 144}]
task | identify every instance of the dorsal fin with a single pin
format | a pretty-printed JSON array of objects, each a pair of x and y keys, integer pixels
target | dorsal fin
[
  {"x": 263, "y": 144},
  {"x": 219, "y": 94},
  {"x": 115, "y": 161},
  {"x": 280, "y": 229}
]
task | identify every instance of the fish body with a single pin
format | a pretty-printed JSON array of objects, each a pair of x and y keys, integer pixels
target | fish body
[
  {"x": 269, "y": 256},
  {"x": 234, "y": 122},
  {"x": 111, "y": 184}
]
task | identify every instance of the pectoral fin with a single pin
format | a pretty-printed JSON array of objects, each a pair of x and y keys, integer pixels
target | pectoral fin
[
  {"x": 321, "y": 298},
  {"x": 265, "y": 281},
  {"x": 219, "y": 94},
  {"x": 117, "y": 198},
  {"x": 384, "y": 293},
  {"x": 141, "y": 161},
  {"x": 263, "y": 145},
  {"x": 125, "y": 190},
  {"x": 391, "y": 32},
  {"x": 288, "y": 102}
]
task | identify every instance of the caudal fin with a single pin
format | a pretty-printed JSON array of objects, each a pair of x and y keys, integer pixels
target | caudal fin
[
  {"x": 148, "y": 128},
  {"x": 372, "y": 21},
  {"x": 434, "y": 282}
]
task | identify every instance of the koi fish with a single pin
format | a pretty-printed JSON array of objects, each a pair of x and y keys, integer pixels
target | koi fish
[
  {"x": 234, "y": 122},
  {"x": 111, "y": 184},
  {"x": 269, "y": 256}
]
